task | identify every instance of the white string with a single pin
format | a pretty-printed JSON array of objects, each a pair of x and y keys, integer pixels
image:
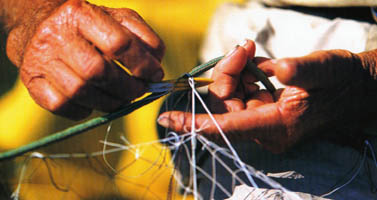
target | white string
[
  {"x": 16, "y": 194},
  {"x": 104, "y": 149},
  {"x": 227, "y": 142},
  {"x": 193, "y": 138},
  {"x": 202, "y": 171},
  {"x": 353, "y": 176},
  {"x": 175, "y": 142},
  {"x": 372, "y": 151},
  {"x": 367, "y": 144},
  {"x": 237, "y": 159},
  {"x": 213, "y": 148}
]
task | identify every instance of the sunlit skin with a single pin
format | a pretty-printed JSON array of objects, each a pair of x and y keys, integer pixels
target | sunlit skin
[
  {"x": 324, "y": 89},
  {"x": 66, "y": 64}
]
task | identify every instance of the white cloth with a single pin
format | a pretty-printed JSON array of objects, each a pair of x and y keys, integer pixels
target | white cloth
[
  {"x": 248, "y": 193},
  {"x": 282, "y": 33},
  {"x": 321, "y": 3}
]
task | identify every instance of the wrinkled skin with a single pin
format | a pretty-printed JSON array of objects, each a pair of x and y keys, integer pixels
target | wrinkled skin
[
  {"x": 67, "y": 64},
  {"x": 324, "y": 89}
]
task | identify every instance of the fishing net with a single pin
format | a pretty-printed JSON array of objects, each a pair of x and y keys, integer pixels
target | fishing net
[{"x": 76, "y": 174}]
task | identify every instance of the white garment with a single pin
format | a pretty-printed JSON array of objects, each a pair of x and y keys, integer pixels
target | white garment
[
  {"x": 282, "y": 33},
  {"x": 322, "y": 3}
]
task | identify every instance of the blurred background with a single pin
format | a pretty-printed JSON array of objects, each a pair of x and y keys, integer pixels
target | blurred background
[{"x": 182, "y": 25}]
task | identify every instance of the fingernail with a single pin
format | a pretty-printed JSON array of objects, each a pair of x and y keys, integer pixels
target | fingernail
[
  {"x": 232, "y": 51},
  {"x": 158, "y": 76},
  {"x": 163, "y": 121},
  {"x": 244, "y": 43}
]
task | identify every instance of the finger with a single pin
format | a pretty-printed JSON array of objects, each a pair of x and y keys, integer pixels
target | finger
[
  {"x": 226, "y": 92},
  {"x": 239, "y": 93},
  {"x": 264, "y": 96},
  {"x": 51, "y": 99},
  {"x": 117, "y": 42},
  {"x": 253, "y": 103},
  {"x": 234, "y": 105},
  {"x": 277, "y": 94},
  {"x": 135, "y": 23},
  {"x": 262, "y": 64},
  {"x": 84, "y": 59},
  {"x": 226, "y": 74},
  {"x": 249, "y": 83},
  {"x": 100, "y": 29},
  {"x": 259, "y": 98},
  {"x": 87, "y": 63},
  {"x": 321, "y": 68},
  {"x": 79, "y": 91},
  {"x": 140, "y": 62},
  {"x": 248, "y": 77},
  {"x": 250, "y": 48},
  {"x": 253, "y": 122},
  {"x": 250, "y": 88},
  {"x": 259, "y": 60}
]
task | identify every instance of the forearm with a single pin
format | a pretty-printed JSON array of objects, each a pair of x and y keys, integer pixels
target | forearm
[
  {"x": 21, "y": 17},
  {"x": 18, "y": 12}
]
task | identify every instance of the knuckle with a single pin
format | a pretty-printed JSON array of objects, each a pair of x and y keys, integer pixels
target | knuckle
[
  {"x": 44, "y": 30},
  {"x": 129, "y": 11},
  {"x": 28, "y": 73},
  {"x": 121, "y": 13},
  {"x": 73, "y": 4}
]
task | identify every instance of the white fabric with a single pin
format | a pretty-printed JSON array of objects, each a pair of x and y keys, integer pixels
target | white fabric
[
  {"x": 248, "y": 193},
  {"x": 321, "y": 3},
  {"x": 282, "y": 33}
]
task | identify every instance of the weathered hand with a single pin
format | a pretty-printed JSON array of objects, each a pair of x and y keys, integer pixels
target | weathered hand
[
  {"x": 324, "y": 89},
  {"x": 67, "y": 62}
]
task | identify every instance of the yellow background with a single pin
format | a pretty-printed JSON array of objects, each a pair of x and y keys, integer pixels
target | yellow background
[{"x": 182, "y": 25}]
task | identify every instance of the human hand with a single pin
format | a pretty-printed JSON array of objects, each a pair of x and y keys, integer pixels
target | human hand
[
  {"x": 67, "y": 62},
  {"x": 324, "y": 89}
]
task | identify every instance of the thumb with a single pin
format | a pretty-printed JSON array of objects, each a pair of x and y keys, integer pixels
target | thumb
[{"x": 321, "y": 68}]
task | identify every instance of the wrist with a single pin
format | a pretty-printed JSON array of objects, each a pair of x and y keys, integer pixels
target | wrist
[{"x": 22, "y": 21}]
